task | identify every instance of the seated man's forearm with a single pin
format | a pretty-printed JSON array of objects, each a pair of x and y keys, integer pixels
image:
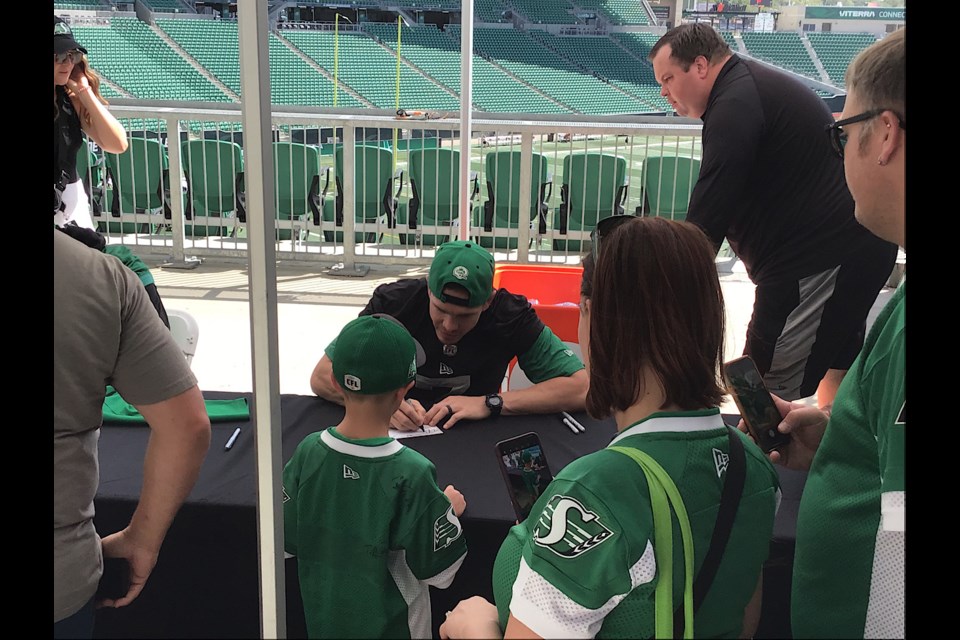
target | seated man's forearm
[
  {"x": 321, "y": 381},
  {"x": 565, "y": 393}
]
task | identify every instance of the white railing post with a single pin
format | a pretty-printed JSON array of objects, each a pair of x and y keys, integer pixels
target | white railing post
[
  {"x": 253, "y": 32},
  {"x": 526, "y": 182},
  {"x": 466, "y": 106}
]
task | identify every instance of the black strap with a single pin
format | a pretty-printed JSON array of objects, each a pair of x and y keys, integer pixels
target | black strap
[{"x": 729, "y": 501}]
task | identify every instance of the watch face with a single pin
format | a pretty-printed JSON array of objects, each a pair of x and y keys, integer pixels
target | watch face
[{"x": 494, "y": 401}]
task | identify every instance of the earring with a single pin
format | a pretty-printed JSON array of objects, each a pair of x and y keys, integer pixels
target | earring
[{"x": 881, "y": 162}]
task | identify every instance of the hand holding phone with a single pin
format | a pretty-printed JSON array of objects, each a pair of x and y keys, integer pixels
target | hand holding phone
[
  {"x": 525, "y": 471},
  {"x": 757, "y": 408}
]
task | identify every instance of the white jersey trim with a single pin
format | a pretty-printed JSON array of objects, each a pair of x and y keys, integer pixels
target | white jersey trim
[
  {"x": 893, "y": 511},
  {"x": 676, "y": 423},
  {"x": 360, "y": 451},
  {"x": 414, "y": 592},
  {"x": 443, "y": 579},
  {"x": 550, "y": 613}
]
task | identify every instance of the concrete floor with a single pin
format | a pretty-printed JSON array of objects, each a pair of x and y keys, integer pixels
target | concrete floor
[{"x": 312, "y": 307}]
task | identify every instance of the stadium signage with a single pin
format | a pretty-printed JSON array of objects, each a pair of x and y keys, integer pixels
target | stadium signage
[{"x": 854, "y": 13}]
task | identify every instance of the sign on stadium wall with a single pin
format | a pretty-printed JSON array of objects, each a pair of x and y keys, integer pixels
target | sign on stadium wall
[{"x": 853, "y": 13}]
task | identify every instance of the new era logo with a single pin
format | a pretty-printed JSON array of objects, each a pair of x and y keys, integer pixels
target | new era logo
[
  {"x": 720, "y": 461},
  {"x": 350, "y": 474},
  {"x": 445, "y": 370}
]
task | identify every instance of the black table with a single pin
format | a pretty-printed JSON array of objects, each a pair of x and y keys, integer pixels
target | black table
[{"x": 206, "y": 581}]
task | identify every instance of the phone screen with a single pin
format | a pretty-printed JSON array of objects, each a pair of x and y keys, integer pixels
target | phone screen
[
  {"x": 756, "y": 406},
  {"x": 525, "y": 471}
]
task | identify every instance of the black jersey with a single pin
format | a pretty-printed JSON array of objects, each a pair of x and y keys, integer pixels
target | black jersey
[
  {"x": 770, "y": 181},
  {"x": 508, "y": 328}
]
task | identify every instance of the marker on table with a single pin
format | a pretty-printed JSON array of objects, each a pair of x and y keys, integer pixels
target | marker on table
[
  {"x": 232, "y": 439},
  {"x": 579, "y": 427},
  {"x": 570, "y": 425}
]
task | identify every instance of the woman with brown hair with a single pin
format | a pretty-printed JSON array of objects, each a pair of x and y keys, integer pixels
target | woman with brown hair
[
  {"x": 587, "y": 562},
  {"x": 78, "y": 108}
]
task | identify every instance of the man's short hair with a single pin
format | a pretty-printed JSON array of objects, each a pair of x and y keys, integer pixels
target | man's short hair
[
  {"x": 690, "y": 40},
  {"x": 878, "y": 75}
]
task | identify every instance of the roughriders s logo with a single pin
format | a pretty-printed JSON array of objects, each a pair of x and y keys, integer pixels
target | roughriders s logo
[
  {"x": 460, "y": 273},
  {"x": 568, "y": 528},
  {"x": 446, "y": 529}
]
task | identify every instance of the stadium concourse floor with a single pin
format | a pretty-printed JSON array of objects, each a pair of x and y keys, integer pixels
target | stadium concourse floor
[{"x": 313, "y": 306}]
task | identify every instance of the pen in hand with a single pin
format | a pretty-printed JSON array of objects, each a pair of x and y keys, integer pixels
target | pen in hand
[
  {"x": 410, "y": 402},
  {"x": 232, "y": 439}
]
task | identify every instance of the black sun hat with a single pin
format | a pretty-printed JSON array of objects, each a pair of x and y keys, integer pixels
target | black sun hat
[{"x": 63, "y": 40}]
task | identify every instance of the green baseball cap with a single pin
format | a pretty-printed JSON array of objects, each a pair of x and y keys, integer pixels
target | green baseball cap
[
  {"x": 462, "y": 263},
  {"x": 374, "y": 354}
]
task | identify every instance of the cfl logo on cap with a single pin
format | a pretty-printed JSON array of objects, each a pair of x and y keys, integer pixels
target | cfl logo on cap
[
  {"x": 351, "y": 382},
  {"x": 460, "y": 273}
]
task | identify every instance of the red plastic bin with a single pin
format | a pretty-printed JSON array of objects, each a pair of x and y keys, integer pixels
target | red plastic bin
[{"x": 553, "y": 290}]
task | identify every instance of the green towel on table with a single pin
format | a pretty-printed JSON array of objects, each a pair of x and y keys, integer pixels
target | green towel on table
[{"x": 116, "y": 410}]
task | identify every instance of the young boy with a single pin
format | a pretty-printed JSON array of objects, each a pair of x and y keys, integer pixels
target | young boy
[{"x": 362, "y": 513}]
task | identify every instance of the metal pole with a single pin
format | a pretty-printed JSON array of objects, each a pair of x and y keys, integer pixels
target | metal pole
[
  {"x": 253, "y": 32},
  {"x": 466, "y": 104}
]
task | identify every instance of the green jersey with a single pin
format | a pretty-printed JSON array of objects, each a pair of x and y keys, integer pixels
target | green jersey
[
  {"x": 848, "y": 573},
  {"x": 372, "y": 532},
  {"x": 583, "y": 566}
]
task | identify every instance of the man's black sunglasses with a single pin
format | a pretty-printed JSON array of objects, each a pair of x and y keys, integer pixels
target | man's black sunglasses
[
  {"x": 604, "y": 228},
  {"x": 838, "y": 137}
]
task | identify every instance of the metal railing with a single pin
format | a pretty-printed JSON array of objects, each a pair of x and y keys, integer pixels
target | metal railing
[{"x": 569, "y": 170}]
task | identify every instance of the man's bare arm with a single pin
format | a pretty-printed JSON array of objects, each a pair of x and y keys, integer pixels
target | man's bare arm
[
  {"x": 179, "y": 439},
  {"x": 563, "y": 393},
  {"x": 321, "y": 381}
]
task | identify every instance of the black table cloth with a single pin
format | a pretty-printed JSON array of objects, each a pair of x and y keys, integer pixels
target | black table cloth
[{"x": 206, "y": 582}]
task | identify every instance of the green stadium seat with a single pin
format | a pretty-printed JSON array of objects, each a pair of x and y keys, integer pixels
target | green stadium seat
[
  {"x": 501, "y": 211},
  {"x": 594, "y": 186},
  {"x": 214, "y": 170},
  {"x": 668, "y": 182},
  {"x": 433, "y": 210},
  {"x": 297, "y": 178},
  {"x": 375, "y": 201},
  {"x": 140, "y": 183}
]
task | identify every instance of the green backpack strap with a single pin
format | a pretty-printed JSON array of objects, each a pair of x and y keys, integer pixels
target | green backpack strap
[{"x": 663, "y": 495}]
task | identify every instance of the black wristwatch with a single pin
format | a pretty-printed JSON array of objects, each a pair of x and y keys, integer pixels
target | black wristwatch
[{"x": 494, "y": 402}]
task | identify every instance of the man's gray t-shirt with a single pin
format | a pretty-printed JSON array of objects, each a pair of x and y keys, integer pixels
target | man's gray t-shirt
[{"x": 105, "y": 332}]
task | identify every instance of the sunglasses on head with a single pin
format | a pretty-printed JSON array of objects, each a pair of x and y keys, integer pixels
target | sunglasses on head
[
  {"x": 73, "y": 56},
  {"x": 604, "y": 228},
  {"x": 838, "y": 137}
]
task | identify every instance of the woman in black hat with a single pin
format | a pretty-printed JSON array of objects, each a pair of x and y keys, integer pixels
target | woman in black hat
[{"x": 78, "y": 108}]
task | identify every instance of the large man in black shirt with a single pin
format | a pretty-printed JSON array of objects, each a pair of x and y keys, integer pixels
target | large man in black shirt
[
  {"x": 773, "y": 187},
  {"x": 468, "y": 333}
]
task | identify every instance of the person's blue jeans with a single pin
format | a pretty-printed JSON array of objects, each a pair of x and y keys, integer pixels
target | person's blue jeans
[{"x": 79, "y": 625}]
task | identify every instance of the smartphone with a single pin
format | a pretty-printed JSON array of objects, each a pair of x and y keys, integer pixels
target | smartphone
[
  {"x": 525, "y": 470},
  {"x": 757, "y": 409}
]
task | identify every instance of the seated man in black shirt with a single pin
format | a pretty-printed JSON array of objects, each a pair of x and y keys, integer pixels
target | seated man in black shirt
[{"x": 469, "y": 332}]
